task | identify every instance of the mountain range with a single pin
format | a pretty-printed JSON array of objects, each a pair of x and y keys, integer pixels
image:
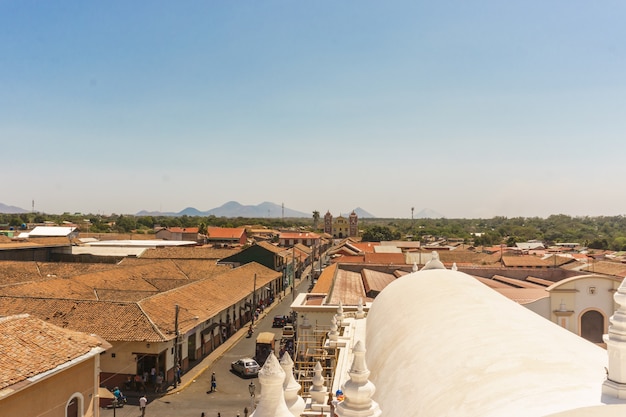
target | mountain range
[
  {"x": 235, "y": 209},
  {"x": 263, "y": 210},
  {"x": 11, "y": 209}
]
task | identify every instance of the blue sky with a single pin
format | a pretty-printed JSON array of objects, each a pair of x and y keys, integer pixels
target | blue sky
[{"x": 469, "y": 108}]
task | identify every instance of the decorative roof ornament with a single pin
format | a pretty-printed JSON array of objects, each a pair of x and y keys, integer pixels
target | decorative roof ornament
[
  {"x": 415, "y": 268},
  {"x": 294, "y": 402},
  {"x": 359, "y": 309},
  {"x": 615, "y": 384},
  {"x": 358, "y": 390},
  {"x": 454, "y": 267},
  {"x": 272, "y": 402},
  {"x": 318, "y": 390},
  {"x": 333, "y": 334},
  {"x": 434, "y": 262},
  {"x": 339, "y": 314}
]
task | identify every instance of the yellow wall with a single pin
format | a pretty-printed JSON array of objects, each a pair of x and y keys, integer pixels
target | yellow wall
[{"x": 49, "y": 397}]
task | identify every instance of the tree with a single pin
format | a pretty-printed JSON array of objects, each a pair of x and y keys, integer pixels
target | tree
[
  {"x": 316, "y": 218},
  {"x": 379, "y": 233}
]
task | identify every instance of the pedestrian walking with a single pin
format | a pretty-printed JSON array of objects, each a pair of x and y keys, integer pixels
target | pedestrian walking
[
  {"x": 159, "y": 382},
  {"x": 213, "y": 382},
  {"x": 143, "y": 401},
  {"x": 245, "y": 412}
]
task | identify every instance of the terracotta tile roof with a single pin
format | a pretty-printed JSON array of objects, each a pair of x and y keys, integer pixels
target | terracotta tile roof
[
  {"x": 205, "y": 298},
  {"x": 491, "y": 283},
  {"x": 225, "y": 232},
  {"x": 35, "y": 243},
  {"x": 384, "y": 258},
  {"x": 199, "y": 269},
  {"x": 365, "y": 246},
  {"x": 543, "y": 282},
  {"x": 559, "y": 260},
  {"x": 525, "y": 261},
  {"x": 191, "y": 252},
  {"x": 517, "y": 282},
  {"x": 523, "y": 295},
  {"x": 12, "y": 272},
  {"x": 464, "y": 256},
  {"x": 271, "y": 247},
  {"x": 345, "y": 259},
  {"x": 347, "y": 288},
  {"x": 303, "y": 249},
  {"x": 375, "y": 281},
  {"x": 57, "y": 288},
  {"x": 31, "y": 346},
  {"x": 325, "y": 280},
  {"x": 70, "y": 269},
  {"x": 606, "y": 267},
  {"x": 97, "y": 317}
]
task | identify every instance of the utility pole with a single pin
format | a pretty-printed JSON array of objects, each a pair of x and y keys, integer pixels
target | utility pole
[{"x": 176, "y": 347}]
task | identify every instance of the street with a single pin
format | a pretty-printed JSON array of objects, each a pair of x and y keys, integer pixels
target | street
[{"x": 232, "y": 394}]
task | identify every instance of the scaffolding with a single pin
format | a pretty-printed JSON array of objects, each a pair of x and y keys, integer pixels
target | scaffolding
[{"x": 311, "y": 348}]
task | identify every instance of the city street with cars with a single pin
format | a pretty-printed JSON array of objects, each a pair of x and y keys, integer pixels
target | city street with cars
[{"x": 193, "y": 396}]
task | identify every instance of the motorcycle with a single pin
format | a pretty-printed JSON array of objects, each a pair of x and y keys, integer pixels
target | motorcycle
[{"x": 250, "y": 331}]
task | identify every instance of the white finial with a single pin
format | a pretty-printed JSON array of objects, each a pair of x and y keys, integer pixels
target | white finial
[
  {"x": 415, "y": 268},
  {"x": 454, "y": 268},
  {"x": 359, "y": 309},
  {"x": 339, "y": 314},
  {"x": 358, "y": 390},
  {"x": 318, "y": 390},
  {"x": 333, "y": 334},
  {"x": 295, "y": 403},
  {"x": 272, "y": 402},
  {"x": 434, "y": 262}
]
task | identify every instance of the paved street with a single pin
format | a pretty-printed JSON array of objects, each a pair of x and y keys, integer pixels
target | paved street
[{"x": 232, "y": 396}]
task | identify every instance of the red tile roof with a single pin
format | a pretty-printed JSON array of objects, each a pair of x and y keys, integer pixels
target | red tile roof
[
  {"x": 31, "y": 346},
  {"x": 225, "y": 232}
]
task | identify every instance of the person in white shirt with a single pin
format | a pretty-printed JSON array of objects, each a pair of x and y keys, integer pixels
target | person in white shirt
[{"x": 143, "y": 401}]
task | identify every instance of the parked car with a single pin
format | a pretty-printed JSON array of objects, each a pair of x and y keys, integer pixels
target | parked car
[
  {"x": 280, "y": 321},
  {"x": 245, "y": 367}
]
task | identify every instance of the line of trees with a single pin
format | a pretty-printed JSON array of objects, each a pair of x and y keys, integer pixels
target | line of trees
[{"x": 604, "y": 232}]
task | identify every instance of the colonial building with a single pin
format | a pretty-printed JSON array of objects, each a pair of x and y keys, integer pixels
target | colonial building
[
  {"x": 46, "y": 370},
  {"x": 341, "y": 227}
]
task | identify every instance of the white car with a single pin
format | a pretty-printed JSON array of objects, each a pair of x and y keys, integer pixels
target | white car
[{"x": 245, "y": 367}]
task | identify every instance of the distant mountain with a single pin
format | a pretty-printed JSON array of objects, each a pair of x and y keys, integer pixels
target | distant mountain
[
  {"x": 363, "y": 214},
  {"x": 235, "y": 209},
  {"x": 4, "y": 209},
  {"x": 428, "y": 214}
]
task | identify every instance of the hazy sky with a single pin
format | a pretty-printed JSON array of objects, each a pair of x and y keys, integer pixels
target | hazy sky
[{"x": 469, "y": 108}]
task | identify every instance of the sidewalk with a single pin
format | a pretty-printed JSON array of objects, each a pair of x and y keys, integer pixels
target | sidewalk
[{"x": 193, "y": 373}]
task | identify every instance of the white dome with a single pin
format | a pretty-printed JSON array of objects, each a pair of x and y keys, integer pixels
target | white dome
[{"x": 440, "y": 343}]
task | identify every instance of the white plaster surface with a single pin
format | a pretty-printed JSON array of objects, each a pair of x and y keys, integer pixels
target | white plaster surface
[{"x": 439, "y": 343}]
